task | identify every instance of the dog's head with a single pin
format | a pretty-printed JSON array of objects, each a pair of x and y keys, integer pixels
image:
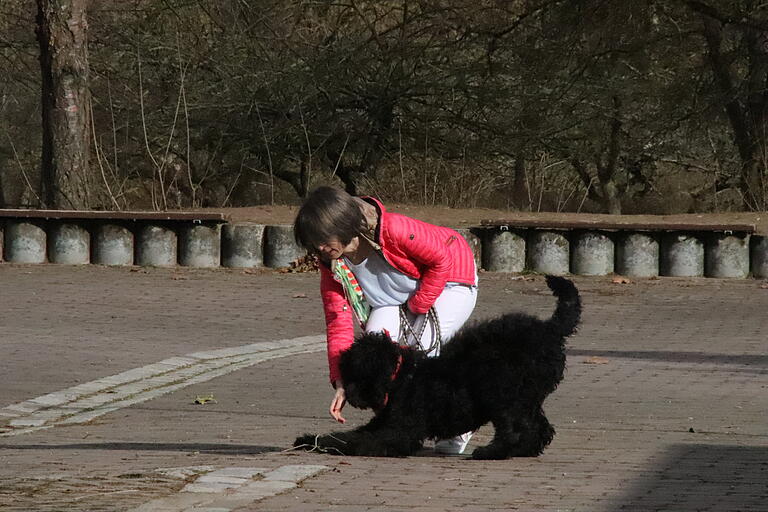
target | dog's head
[{"x": 368, "y": 369}]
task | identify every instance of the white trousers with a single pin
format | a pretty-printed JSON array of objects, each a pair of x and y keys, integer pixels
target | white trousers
[{"x": 453, "y": 308}]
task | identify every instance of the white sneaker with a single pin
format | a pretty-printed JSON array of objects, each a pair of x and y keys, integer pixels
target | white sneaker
[{"x": 453, "y": 446}]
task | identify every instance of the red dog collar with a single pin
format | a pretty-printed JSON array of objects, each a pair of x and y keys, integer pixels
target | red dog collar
[{"x": 393, "y": 377}]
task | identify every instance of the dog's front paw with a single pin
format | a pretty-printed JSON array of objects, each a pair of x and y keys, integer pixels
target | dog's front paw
[
  {"x": 489, "y": 452},
  {"x": 306, "y": 442}
]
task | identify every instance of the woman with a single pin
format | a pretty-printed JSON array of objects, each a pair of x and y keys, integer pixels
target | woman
[{"x": 413, "y": 280}]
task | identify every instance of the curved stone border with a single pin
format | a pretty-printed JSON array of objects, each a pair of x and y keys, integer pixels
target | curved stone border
[
  {"x": 211, "y": 243},
  {"x": 86, "y": 401},
  {"x": 229, "y": 488}
]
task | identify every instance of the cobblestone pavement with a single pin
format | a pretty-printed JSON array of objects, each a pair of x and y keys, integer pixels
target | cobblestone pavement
[{"x": 663, "y": 406}]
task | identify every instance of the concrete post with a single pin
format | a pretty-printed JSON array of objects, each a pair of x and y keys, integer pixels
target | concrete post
[
  {"x": 156, "y": 246},
  {"x": 112, "y": 245},
  {"x": 637, "y": 255},
  {"x": 726, "y": 256},
  {"x": 503, "y": 251},
  {"x": 592, "y": 254},
  {"x": 280, "y": 248},
  {"x": 25, "y": 242},
  {"x": 759, "y": 257},
  {"x": 242, "y": 245},
  {"x": 200, "y": 245},
  {"x": 2, "y": 239},
  {"x": 548, "y": 253},
  {"x": 69, "y": 244},
  {"x": 474, "y": 243},
  {"x": 682, "y": 255}
]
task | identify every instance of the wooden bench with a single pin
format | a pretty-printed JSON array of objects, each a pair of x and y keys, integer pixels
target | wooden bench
[
  {"x": 602, "y": 225},
  {"x": 117, "y": 216}
]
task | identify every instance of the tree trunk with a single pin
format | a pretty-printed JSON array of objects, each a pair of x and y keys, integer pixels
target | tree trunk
[
  {"x": 611, "y": 197},
  {"x": 520, "y": 197},
  {"x": 746, "y": 113},
  {"x": 62, "y": 34},
  {"x": 753, "y": 172},
  {"x": 348, "y": 176},
  {"x": 606, "y": 171},
  {"x": 2, "y": 189}
]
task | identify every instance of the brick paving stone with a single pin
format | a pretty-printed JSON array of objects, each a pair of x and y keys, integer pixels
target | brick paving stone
[{"x": 662, "y": 406}]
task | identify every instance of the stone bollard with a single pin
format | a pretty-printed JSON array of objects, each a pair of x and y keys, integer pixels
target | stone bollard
[
  {"x": 592, "y": 254},
  {"x": 2, "y": 239},
  {"x": 759, "y": 257},
  {"x": 25, "y": 242},
  {"x": 474, "y": 243},
  {"x": 548, "y": 253},
  {"x": 112, "y": 245},
  {"x": 200, "y": 245},
  {"x": 682, "y": 255},
  {"x": 242, "y": 245},
  {"x": 280, "y": 247},
  {"x": 69, "y": 244},
  {"x": 503, "y": 251},
  {"x": 726, "y": 256},
  {"x": 637, "y": 255},
  {"x": 156, "y": 246}
]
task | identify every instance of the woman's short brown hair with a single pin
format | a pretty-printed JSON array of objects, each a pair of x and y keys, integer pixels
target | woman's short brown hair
[{"x": 327, "y": 213}]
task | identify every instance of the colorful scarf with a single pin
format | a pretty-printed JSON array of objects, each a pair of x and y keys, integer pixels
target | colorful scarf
[{"x": 353, "y": 291}]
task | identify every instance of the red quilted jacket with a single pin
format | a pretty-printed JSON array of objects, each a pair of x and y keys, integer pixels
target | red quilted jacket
[{"x": 432, "y": 254}]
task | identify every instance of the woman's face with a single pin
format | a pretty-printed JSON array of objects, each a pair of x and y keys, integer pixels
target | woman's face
[{"x": 334, "y": 249}]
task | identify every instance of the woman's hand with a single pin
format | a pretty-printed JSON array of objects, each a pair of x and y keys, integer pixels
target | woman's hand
[{"x": 339, "y": 400}]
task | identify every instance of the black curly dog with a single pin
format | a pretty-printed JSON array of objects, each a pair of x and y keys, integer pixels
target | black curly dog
[{"x": 499, "y": 370}]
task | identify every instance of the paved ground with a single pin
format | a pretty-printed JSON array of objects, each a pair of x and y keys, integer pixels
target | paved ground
[{"x": 663, "y": 406}]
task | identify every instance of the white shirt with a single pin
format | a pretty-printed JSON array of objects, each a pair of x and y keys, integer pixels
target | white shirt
[{"x": 382, "y": 284}]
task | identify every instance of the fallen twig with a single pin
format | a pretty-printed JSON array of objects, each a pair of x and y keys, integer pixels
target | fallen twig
[{"x": 316, "y": 447}]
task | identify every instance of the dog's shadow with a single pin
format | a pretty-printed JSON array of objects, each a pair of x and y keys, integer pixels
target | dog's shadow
[{"x": 212, "y": 448}]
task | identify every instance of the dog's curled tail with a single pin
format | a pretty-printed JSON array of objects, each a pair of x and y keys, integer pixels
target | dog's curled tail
[{"x": 568, "y": 312}]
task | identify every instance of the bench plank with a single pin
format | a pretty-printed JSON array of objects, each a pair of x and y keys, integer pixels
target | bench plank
[
  {"x": 113, "y": 215},
  {"x": 600, "y": 225}
]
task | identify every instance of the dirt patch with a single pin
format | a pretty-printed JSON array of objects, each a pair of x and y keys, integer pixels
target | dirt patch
[{"x": 51, "y": 493}]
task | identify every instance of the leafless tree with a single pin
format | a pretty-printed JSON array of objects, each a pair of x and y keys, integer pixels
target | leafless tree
[{"x": 62, "y": 34}]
